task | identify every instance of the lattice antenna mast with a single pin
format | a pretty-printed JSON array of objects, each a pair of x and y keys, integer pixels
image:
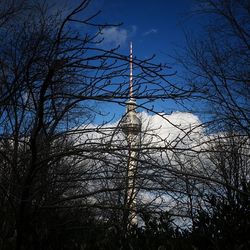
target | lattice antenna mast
[{"x": 131, "y": 72}]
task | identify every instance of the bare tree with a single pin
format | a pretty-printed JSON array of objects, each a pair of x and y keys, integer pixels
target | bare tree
[
  {"x": 53, "y": 76},
  {"x": 218, "y": 64}
]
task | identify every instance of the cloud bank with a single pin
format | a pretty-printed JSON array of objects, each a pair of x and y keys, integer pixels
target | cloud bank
[{"x": 180, "y": 129}]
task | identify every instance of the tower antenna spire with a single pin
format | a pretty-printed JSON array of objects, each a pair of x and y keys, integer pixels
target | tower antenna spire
[{"x": 131, "y": 72}]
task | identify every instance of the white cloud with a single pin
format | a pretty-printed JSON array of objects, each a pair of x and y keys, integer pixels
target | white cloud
[
  {"x": 150, "y": 32},
  {"x": 162, "y": 129},
  {"x": 114, "y": 36}
]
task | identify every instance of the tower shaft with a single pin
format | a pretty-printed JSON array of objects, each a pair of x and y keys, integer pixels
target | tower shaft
[{"x": 133, "y": 143}]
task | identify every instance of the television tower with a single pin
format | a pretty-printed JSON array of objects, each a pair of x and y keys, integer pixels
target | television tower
[{"x": 131, "y": 126}]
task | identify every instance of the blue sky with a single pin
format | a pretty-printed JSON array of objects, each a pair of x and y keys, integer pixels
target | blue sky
[{"x": 154, "y": 27}]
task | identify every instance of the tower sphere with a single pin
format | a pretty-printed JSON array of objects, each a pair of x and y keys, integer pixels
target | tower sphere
[{"x": 130, "y": 123}]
